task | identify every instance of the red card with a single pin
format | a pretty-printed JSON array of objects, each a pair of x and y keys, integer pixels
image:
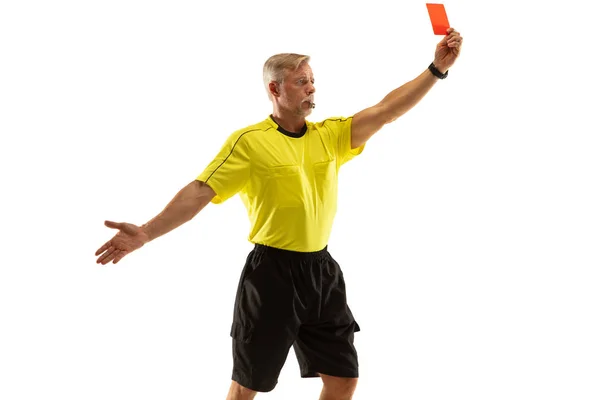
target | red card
[{"x": 439, "y": 19}]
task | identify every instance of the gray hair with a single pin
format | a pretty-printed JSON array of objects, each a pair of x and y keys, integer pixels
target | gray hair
[{"x": 275, "y": 67}]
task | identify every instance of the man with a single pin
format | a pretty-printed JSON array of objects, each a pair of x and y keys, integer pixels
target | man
[{"x": 291, "y": 291}]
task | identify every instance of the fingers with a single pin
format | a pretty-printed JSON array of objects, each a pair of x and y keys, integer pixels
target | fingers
[
  {"x": 126, "y": 228},
  {"x": 114, "y": 225},
  {"x": 107, "y": 256},
  {"x": 118, "y": 257},
  {"x": 453, "y": 39},
  {"x": 106, "y": 246},
  {"x": 110, "y": 251},
  {"x": 454, "y": 42},
  {"x": 103, "y": 248},
  {"x": 112, "y": 254}
]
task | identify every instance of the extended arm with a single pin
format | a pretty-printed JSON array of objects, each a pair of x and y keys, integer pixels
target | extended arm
[
  {"x": 367, "y": 122},
  {"x": 183, "y": 207},
  {"x": 226, "y": 175},
  {"x": 186, "y": 204}
]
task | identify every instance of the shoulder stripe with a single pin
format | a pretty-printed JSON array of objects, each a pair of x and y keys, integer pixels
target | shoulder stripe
[
  {"x": 332, "y": 119},
  {"x": 231, "y": 152}
]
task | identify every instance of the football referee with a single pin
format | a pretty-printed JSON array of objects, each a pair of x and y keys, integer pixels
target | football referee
[{"x": 291, "y": 292}]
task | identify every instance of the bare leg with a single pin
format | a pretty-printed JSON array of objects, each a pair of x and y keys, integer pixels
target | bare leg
[
  {"x": 238, "y": 392},
  {"x": 335, "y": 388}
]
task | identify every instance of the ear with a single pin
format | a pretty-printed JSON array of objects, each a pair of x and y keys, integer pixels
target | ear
[{"x": 274, "y": 89}]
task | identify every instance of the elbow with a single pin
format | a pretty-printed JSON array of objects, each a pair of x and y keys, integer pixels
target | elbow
[
  {"x": 202, "y": 194},
  {"x": 192, "y": 199},
  {"x": 392, "y": 110},
  {"x": 388, "y": 114}
]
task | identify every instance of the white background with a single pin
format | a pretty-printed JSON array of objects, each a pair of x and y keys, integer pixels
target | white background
[{"x": 468, "y": 229}]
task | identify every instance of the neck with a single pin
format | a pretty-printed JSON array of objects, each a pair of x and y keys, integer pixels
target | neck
[{"x": 288, "y": 121}]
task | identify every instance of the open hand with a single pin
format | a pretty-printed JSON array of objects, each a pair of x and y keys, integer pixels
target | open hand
[
  {"x": 129, "y": 238},
  {"x": 447, "y": 50}
]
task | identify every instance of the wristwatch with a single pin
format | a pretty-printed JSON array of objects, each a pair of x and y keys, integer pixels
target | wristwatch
[{"x": 437, "y": 72}]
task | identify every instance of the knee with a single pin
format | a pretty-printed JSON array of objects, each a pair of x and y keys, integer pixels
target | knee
[
  {"x": 343, "y": 388},
  {"x": 239, "y": 392}
]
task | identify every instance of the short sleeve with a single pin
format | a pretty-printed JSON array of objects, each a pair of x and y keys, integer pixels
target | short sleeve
[
  {"x": 341, "y": 134},
  {"x": 229, "y": 171}
]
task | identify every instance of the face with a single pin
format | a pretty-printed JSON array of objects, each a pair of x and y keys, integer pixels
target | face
[{"x": 297, "y": 91}]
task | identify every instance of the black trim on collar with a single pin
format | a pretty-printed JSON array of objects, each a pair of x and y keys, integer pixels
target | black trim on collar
[{"x": 288, "y": 133}]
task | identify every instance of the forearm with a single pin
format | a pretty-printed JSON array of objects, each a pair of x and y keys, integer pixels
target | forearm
[
  {"x": 186, "y": 204},
  {"x": 402, "y": 99}
]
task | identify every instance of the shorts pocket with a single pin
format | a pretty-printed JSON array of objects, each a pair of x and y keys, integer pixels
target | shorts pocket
[{"x": 241, "y": 332}]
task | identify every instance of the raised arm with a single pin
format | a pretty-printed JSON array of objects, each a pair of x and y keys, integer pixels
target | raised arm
[
  {"x": 186, "y": 204},
  {"x": 367, "y": 122}
]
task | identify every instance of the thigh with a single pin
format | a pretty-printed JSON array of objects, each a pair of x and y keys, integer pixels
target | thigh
[
  {"x": 265, "y": 296},
  {"x": 327, "y": 348},
  {"x": 264, "y": 326},
  {"x": 326, "y": 345},
  {"x": 259, "y": 358}
]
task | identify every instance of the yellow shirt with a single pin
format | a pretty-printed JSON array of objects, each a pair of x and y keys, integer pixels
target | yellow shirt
[{"x": 287, "y": 181}]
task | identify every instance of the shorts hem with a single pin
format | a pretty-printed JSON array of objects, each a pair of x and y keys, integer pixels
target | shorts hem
[
  {"x": 314, "y": 373},
  {"x": 249, "y": 385}
]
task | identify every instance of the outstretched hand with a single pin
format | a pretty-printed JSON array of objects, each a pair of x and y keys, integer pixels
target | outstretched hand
[
  {"x": 447, "y": 50},
  {"x": 129, "y": 238}
]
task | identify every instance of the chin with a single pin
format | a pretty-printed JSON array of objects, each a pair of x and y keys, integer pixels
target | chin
[{"x": 305, "y": 112}]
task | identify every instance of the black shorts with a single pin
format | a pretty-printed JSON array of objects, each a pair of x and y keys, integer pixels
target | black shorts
[{"x": 287, "y": 298}]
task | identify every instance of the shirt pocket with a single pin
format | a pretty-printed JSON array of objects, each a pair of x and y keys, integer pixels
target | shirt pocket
[
  {"x": 284, "y": 186},
  {"x": 325, "y": 183},
  {"x": 325, "y": 170}
]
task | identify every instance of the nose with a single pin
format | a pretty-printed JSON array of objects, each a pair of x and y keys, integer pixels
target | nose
[{"x": 311, "y": 89}]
